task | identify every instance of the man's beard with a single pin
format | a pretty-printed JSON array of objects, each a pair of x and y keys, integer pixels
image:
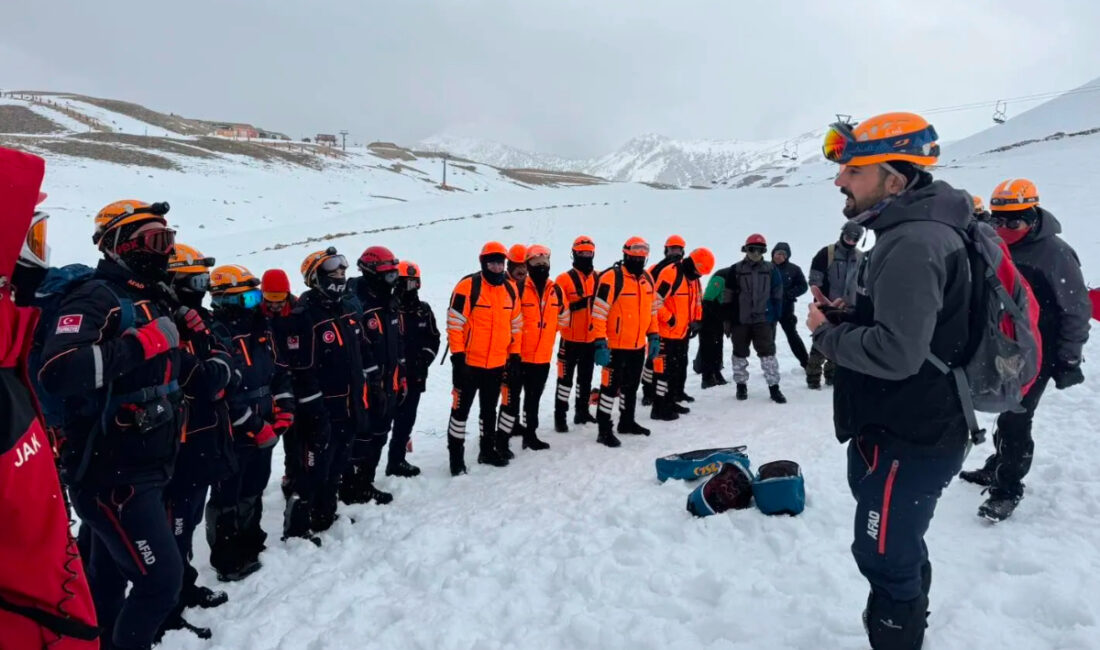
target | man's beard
[{"x": 854, "y": 208}]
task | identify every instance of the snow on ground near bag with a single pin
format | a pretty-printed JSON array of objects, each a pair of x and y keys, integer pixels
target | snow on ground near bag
[{"x": 579, "y": 546}]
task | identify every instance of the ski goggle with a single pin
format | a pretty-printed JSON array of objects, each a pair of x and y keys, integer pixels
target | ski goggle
[
  {"x": 640, "y": 250},
  {"x": 409, "y": 284},
  {"x": 841, "y": 145},
  {"x": 584, "y": 254},
  {"x": 35, "y": 251},
  {"x": 248, "y": 299},
  {"x": 333, "y": 262},
  {"x": 275, "y": 296},
  {"x": 196, "y": 282},
  {"x": 158, "y": 239},
  {"x": 756, "y": 248}
]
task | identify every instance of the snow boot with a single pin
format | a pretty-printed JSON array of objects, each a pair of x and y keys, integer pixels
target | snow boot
[
  {"x": 684, "y": 397},
  {"x": 678, "y": 408},
  {"x": 583, "y": 415},
  {"x": 456, "y": 453},
  {"x": 502, "y": 444},
  {"x": 895, "y": 625},
  {"x": 532, "y": 442},
  {"x": 177, "y": 622},
  {"x": 999, "y": 506},
  {"x": 828, "y": 381},
  {"x": 354, "y": 487},
  {"x": 560, "y": 422},
  {"x": 605, "y": 436},
  {"x": 742, "y": 392},
  {"x": 403, "y": 469},
  {"x": 720, "y": 379},
  {"x": 647, "y": 398},
  {"x": 489, "y": 454},
  {"x": 240, "y": 573},
  {"x": 813, "y": 383},
  {"x": 285, "y": 485},
  {"x": 777, "y": 395},
  {"x": 381, "y": 497},
  {"x": 663, "y": 411},
  {"x": 984, "y": 475},
  {"x": 204, "y": 597},
  {"x": 630, "y": 427},
  {"x": 709, "y": 380}
]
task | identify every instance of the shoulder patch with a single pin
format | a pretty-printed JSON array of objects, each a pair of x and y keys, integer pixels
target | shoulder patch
[
  {"x": 69, "y": 324},
  {"x": 292, "y": 343}
]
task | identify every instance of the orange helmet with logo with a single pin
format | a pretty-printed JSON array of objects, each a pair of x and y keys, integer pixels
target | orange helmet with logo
[
  {"x": 187, "y": 260},
  {"x": 318, "y": 259},
  {"x": 517, "y": 254},
  {"x": 407, "y": 269},
  {"x": 232, "y": 278},
  {"x": 979, "y": 204},
  {"x": 537, "y": 251},
  {"x": 1013, "y": 195},
  {"x": 703, "y": 260},
  {"x": 122, "y": 213},
  {"x": 584, "y": 244},
  {"x": 636, "y": 246},
  {"x": 882, "y": 139}
]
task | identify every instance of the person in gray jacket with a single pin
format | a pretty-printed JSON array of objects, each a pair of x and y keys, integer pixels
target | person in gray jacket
[
  {"x": 833, "y": 281},
  {"x": 901, "y": 417},
  {"x": 1052, "y": 269},
  {"x": 752, "y": 301}
]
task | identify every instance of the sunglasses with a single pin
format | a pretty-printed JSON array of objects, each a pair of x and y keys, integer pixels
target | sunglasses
[
  {"x": 248, "y": 299},
  {"x": 1011, "y": 223},
  {"x": 35, "y": 251},
  {"x": 756, "y": 249},
  {"x": 841, "y": 145}
]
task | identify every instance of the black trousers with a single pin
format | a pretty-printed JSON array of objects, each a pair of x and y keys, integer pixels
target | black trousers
[
  {"x": 709, "y": 357},
  {"x": 403, "y": 421},
  {"x": 185, "y": 499},
  {"x": 131, "y": 542},
  {"x": 1015, "y": 446},
  {"x": 308, "y": 452},
  {"x": 789, "y": 323},
  {"x": 511, "y": 390},
  {"x": 581, "y": 359},
  {"x": 670, "y": 369},
  {"x": 534, "y": 383},
  {"x": 896, "y": 487},
  {"x": 620, "y": 379},
  {"x": 480, "y": 383},
  {"x": 235, "y": 510},
  {"x": 333, "y": 463},
  {"x": 366, "y": 447}
]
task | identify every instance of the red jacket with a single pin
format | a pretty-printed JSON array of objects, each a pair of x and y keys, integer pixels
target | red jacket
[{"x": 41, "y": 576}]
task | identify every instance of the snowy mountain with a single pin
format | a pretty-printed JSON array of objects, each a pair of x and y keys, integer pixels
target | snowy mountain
[{"x": 646, "y": 159}]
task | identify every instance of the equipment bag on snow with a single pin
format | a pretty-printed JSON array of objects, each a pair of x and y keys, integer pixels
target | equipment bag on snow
[
  {"x": 779, "y": 488},
  {"x": 730, "y": 488},
  {"x": 691, "y": 465},
  {"x": 1003, "y": 354}
]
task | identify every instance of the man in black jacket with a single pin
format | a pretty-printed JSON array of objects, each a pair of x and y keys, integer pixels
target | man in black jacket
[
  {"x": 794, "y": 285},
  {"x": 421, "y": 336},
  {"x": 1052, "y": 269},
  {"x": 113, "y": 353},
  {"x": 833, "y": 280},
  {"x": 902, "y": 418}
]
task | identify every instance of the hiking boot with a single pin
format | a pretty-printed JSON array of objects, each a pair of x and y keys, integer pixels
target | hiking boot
[
  {"x": 813, "y": 383},
  {"x": 742, "y": 392},
  {"x": 559, "y": 422},
  {"x": 684, "y": 397},
  {"x": 720, "y": 379},
  {"x": 981, "y": 476},
  {"x": 204, "y": 597},
  {"x": 403, "y": 469},
  {"x": 531, "y": 441},
  {"x": 238, "y": 574},
  {"x": 661, "y": 411},
  {"x": 777, "y": 395},
  {"x": 583, "y": 416},
  {"x": 177, "y": 622},
  {"x": 630, "y": 427},
  {"x": 709, "y": 381},
  {"x": 489, "y": 455},
  {"x": 999, "y": 506},
  {"x": 607, "y": 438},
  {"x": 381, "y": 497},
  {"x": 678, "y": 408}
]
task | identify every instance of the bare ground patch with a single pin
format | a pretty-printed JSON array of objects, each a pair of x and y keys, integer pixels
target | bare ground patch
[
  {"x": 106, "y": 152},
  {"x": 20, "y": 119},
  {"x": 166, "y": 145},
  {"x": 551, "y": 178}
]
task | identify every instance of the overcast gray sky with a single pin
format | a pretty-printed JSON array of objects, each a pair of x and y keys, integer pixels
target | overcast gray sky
[{"x": 571, "y": 77}]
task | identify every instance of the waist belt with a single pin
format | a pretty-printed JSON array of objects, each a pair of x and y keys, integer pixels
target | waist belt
[{"x": 146, "y": 395}]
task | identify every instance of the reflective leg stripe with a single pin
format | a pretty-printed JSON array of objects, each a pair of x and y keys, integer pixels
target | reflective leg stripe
[
  {"x": 887, "y": 494},
  {"x": 97, "y": 363},
  {"x": 507, "y": 422},
  {"x": 607, "y": 403},
  {"x": 647, "y": 375},
  {"x": 662, "y": 388},
  {"x": 456, "y": 429},
  {"x": 564, "y": 392}
]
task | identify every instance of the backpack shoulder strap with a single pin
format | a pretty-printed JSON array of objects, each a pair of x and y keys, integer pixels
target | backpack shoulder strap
[
  {"x": 126, "y": 317},
  {"x": 677, "y": 282},
  {"x": 618, "y": 270},
  {"x": 511, "y": 288},
  {"x": 475, "y": 289},
  {"x": 578, "y": 286},
  {"x": 831, "y": 255}
]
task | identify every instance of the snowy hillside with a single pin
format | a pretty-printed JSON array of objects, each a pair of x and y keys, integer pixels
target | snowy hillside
[
  {"x": 651, "y": 158},
  {"x": 580, "y": 546}
]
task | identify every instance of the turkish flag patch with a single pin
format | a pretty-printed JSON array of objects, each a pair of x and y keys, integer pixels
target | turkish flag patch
[
  {"x": 69, "y": 324},
  {"x": 373, "y": 323},
  {"x": 292, "y": 343}
]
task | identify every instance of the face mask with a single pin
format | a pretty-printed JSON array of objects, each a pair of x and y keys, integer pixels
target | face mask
[
  {"x": 1012, "y": 235},
  {"x": 382, "y": 283},
  {"x": 26, "y": 280},
  {"x": 675, "y": 257},
  {"x": 147, "y": 265},
  {"x": 190, "y": 298},
  {"x": 634, "y": 264},
  {"x": 583, "y": 264},
  {"x": 493, "y": 277},
  {"x": 539, "y": 274},
  {"x": 754, "y": 257}
]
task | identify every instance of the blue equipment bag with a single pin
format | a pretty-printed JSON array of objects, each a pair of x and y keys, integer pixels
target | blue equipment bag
[
  {"x": 692, "y": 465},
  {"x": 779, "y": 488},
  {"x": 730, "y": 487}
]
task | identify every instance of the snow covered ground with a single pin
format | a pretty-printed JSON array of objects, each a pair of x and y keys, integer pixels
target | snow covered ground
[{"x": 580, "y": 546}]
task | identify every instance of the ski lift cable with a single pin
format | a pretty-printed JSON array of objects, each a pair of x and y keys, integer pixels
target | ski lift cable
[{"x": 1022, "y": 98}]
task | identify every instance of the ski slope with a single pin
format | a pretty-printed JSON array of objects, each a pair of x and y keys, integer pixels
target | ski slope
[{"x": 579, "y": 546}]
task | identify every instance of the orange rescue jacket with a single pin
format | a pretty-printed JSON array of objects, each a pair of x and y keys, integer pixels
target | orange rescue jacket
[
  {"x": 577, "y": 290},
  {"x": 542, "y": 317},
  {"x": 679, "y": 302},
  {"x": 484, "y": 321},
  {"x": 624, "y": 311}
]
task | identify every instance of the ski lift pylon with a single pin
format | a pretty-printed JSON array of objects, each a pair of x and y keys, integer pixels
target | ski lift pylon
[{"x": 1000, "y": 112}]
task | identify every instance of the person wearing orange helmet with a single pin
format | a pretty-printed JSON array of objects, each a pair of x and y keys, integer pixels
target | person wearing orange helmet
[
  {"x": 624, "y": 324},
  {"x": 206, "y": 455},
  {"x": 421, "y": 336},
  {"x": 543, "y": 306},
  {"x": 507, "y": 421},
  {"x": 980, "y": 211},
  {"x": 484, "y": 332},
  {"x": 113, "y": 353},
  {"x": 577, "y": 347},
  {"x": 674, "y": 253},
  {"x": 323, "y": 342},
  {"x": 679, "y": 313},
  {"x": 902, "y": 417},
  {"x": 753, "y": 302},
  {"x": 1051, "y": 267},
  {"x": 45, "y": 601}
]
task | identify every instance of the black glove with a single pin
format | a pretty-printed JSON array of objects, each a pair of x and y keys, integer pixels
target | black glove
[
  {"x": 458, "y": 369},
  {"x": 1067, "y": 373},
  {"x": 837, "y": 315},
  {"x": 694, "y": 328},
  {"x": 514, "y": 367}
]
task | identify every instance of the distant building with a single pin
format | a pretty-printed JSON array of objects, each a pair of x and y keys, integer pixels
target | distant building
[
  {"x": 326, "y": 139},
  {"x": 246, "y": 131}
]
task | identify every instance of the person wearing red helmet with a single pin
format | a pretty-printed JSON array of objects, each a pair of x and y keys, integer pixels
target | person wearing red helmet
[
  {"x": 484, "y": 333},
  {"x": 679, "y": 311},
  {"x": 386, "y": 377},
  {"x": 44, "y": 596},
  {"x": 577, "y": 347},
  {"x": 278, "y": 303},
  {"x": 674, "y": 253},
  {"x": 753, "y": 301}
]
